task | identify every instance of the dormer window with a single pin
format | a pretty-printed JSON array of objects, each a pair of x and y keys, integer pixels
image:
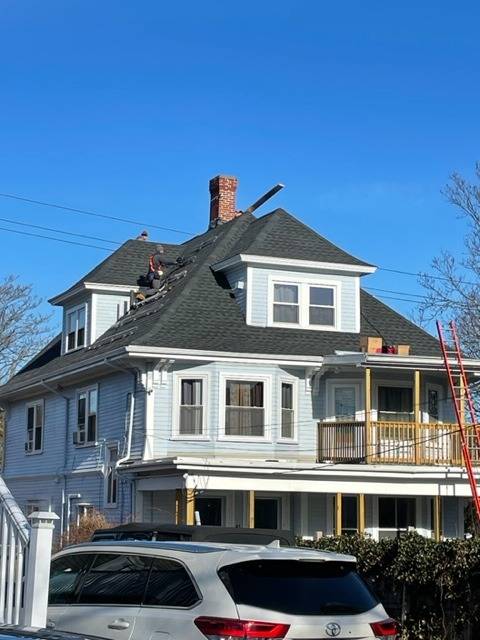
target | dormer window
[
  {"x": 75, "y": 328},
  {"x": 304, "y": 304}
]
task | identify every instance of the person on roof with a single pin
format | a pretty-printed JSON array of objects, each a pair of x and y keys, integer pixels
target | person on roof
[{"x": 157, "y": 267}]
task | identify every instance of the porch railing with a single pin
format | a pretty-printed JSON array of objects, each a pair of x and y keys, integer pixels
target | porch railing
[
  {"x": 25, "y": 552},
  {"x": 392, "y": 443}
]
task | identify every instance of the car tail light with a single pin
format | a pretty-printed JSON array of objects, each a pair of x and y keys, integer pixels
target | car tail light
[
  {"x": 226, "y": 628},
  {"x": 386, "y": 629}
]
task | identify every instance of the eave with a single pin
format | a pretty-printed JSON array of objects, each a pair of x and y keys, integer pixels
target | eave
[{"x": 310, "y": 265}]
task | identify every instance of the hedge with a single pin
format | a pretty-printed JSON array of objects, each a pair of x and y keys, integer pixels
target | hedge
[{"x": 432, "y": 588}]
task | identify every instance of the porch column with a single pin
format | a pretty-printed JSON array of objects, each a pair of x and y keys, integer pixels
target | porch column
[
  {"x": 251, "y": 509},
  {"x": 185, "y": 506},
  {"x": 190, "y": 506},
  {"x": 338, "y": 514},
  {"x": 437, "y": 518},
  {"x": 361, "y": 513},
  {"x": 368, "y": 413},
  {"x": 417, "y": 415}
]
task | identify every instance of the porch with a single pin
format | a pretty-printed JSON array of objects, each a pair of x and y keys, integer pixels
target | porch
[{"x": 388, "y": 442}]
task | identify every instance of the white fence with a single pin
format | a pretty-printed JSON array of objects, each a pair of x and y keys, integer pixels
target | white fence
[{"x": 25, "y": 553}]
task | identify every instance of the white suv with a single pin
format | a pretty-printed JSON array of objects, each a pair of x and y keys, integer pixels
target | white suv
[{"x": 193, "y": 591}]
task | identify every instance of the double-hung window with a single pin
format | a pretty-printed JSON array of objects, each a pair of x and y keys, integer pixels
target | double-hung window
[
  {"x": 192, "y": 409},
  {"x": 288, "y": 410},
  {"x": 87, "y": 408},
  {"x": 75, "y": 328},
  {"x": 304, "y": 305},
  {"x": 321, "y": 310},
  {"x": 286, "y": 303},
  {"x": 244, "y": 408},
  {"x": 35, "y": 419}
]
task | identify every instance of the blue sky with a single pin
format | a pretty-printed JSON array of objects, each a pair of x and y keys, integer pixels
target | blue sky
[{"x": 362, "y": 109}]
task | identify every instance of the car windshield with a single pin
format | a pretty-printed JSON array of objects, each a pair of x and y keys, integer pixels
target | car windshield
[{"x": 298, "y": 587}]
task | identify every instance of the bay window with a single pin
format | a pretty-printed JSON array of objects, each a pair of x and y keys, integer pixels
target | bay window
[
  {"x": 244, "y": 408},
  {"x": 288, "y": 411},
  {"x": 191, "y": 416}
]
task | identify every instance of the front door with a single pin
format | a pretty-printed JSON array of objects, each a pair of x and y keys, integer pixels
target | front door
[
  {"x": 209, "y": 510},
  {"x": 267, "y": 513}
]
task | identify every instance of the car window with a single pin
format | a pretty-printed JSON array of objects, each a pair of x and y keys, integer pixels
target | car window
[
  {"x": 115, "y": 579},
  {"x": 298, "y": 588},
  {"x": 65, "y": 575},
  {"x": 170, "y": 585}
]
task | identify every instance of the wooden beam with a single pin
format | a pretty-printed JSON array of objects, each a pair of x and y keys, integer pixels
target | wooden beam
[
  {"x": 179, "y": 504},
  {"x": 417, "y": 416},
  {"x": 338, "y": 514},
  {"x": 462, "y": 398},
  {"x": 368, "y": 414},
  {"x": 251, "y": 509},
  {"x": 437, "y": 518},
  {"x": 190, "y": 506},
  {"x": 361, "y": 513}
]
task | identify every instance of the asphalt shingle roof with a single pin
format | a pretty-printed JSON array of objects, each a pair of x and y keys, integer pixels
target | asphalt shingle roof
[
  {"x": 200, "y": 312},
  {"x": 280, "y": 235}
]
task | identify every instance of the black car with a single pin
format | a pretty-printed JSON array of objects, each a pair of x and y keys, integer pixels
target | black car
[{"x": 185, "y": 532}]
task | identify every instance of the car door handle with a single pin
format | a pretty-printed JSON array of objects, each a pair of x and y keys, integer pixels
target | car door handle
[{"x": 119, "y": 624}]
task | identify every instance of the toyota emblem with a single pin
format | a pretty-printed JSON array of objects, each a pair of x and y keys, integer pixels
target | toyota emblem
[{"x": 332, "y": 629}]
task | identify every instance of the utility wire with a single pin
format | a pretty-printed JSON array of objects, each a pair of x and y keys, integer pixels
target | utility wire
[
  {"x": 93, "y": 213},
  {"x": 67, "y": 233},
  {"x": 37, "y": 235}
]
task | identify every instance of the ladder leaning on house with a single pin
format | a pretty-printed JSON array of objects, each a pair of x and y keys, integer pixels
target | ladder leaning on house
[
  {"x": 25, "y": 553},
  {"x": 460, "y": 393}
]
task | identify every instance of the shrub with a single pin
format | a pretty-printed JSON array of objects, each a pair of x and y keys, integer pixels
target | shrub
[
  {"x": 82, "y": 532},
  {"x": 433, "y": 588}
]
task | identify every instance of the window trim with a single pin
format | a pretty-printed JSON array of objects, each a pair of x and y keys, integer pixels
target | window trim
[
  {"x": 295, "y": 403},
  {"x": 68, "y": 311},
  {"x": 304, "y": 284},
  {"x": 267, "y": 406},
  {"x": 109, "y": 447},
  {"x": 176, "y": 397},
  {"x": 29, "y": 405},
  {"x": 87, "y": 390},
  {"x": 334, "y": 383}
]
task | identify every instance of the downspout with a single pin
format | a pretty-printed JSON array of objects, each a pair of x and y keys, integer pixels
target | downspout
[{"x": 126, "y": 457}]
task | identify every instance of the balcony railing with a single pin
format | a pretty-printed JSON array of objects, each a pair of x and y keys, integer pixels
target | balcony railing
[{"x": 393, "y": 443}]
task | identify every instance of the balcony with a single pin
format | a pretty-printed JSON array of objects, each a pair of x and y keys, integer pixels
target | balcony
[{"x": 393, "y": 443}]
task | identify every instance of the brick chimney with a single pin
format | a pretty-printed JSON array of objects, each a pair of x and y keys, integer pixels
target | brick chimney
[{"x": 223, "y": 190}]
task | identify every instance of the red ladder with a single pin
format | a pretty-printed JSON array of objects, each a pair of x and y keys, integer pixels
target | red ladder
[{"x": 461, "y": 392}]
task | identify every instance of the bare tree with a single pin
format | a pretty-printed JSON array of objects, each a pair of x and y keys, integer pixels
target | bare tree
[
  {"x": 453, "y": 287},
  {"x": 23, "y": 329}
]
